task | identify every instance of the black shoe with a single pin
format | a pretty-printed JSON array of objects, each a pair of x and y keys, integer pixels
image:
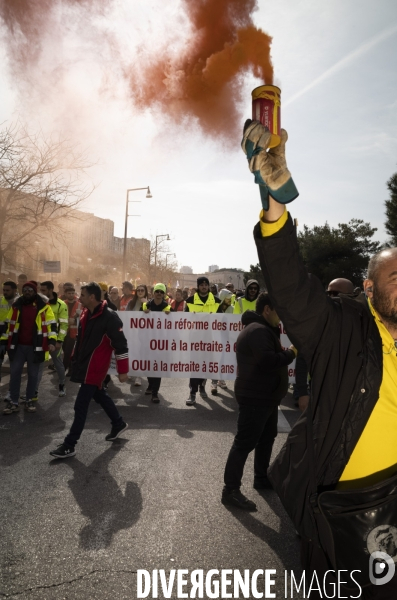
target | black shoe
[
  {"x": 155, "y": 398},
  {"x": 236, "y": 498},
  {"x": 114, "y": 434},
  {"x": 148, "y": 391},
  {"x": 63, "y": 451},
  {"x": 263, "y": 484},
  {"x": 191, "y": 401}
]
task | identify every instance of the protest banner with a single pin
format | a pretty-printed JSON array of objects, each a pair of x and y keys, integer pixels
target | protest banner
[{"x": 184, "y": 345}]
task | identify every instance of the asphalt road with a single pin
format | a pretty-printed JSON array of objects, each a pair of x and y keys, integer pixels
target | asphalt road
[{"x": 80, "y": 528}]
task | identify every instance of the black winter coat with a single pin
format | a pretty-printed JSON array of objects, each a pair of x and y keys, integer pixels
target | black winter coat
[
  {"x": 262, "y": 374},
  {"x": 342, "y": 347}
]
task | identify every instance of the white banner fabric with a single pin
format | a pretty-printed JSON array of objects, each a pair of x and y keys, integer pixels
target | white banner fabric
[{"x": 184, "y": 345}]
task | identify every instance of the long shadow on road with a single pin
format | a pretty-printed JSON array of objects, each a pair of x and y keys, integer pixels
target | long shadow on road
[
  {"x": 101, "y": 500},
  {"x": 284, "y": 543}
]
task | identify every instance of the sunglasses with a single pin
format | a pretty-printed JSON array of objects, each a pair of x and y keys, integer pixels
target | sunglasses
[
  {"x": 27, "y": 289},
  {"x": 158, "y": 292},
  {"x": 140, "y": 290},
  {"x": 333, "y": 293}
]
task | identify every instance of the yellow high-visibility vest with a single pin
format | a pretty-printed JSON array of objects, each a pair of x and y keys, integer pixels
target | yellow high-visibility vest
[{"x": 198, "y": 306}]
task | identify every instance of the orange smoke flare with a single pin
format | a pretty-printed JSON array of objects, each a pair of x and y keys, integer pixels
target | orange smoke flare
[
  {"x": 204, "y": 84},
  {"x": 206, "y": 81}
]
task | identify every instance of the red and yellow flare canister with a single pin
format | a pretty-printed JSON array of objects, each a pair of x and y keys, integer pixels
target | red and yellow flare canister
[{"x": 266, "y": 105}]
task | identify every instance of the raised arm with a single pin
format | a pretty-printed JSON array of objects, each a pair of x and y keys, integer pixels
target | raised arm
[{"x": 299, "y": 299}]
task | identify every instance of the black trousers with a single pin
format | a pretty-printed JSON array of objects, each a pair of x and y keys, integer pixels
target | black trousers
[
  {"x": 256, "y": 430},
  {"x": 154, "y": 384},
  {"x": 83, "y": 399},
  {"x": 194, "y": 384},
  {"x": 314, "y": 559}
]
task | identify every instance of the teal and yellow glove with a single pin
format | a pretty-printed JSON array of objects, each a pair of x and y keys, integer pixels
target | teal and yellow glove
[{"x": 268, "y": 166}]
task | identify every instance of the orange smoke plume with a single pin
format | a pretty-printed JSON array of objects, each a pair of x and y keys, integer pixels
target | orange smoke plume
[
  {"x": 203, "y": 84},
  {"x": 206, "y": 81}
]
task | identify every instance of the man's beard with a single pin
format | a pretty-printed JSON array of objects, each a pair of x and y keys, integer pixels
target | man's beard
[
  {"x": 28, "y": 300},
  {"x": 385, "y": 306}
]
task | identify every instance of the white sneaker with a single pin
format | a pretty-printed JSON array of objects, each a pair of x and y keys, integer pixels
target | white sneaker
[
  {"x": 138, "y": 381},
  {"x": 222, "y": 384},
  {"x": 62, "y": 391},
  {"x": 191, "y": 400}
]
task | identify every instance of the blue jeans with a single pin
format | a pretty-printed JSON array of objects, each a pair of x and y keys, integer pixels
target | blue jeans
[
  {"x": 23, "y": 354},
  {"x": 58, "y": 364},
  {"x": 256, "y": 430},
  {"x": 83, "y": 399}
]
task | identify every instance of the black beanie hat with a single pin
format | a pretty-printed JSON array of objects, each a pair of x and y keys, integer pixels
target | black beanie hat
[{"x": 202, "y": 280}]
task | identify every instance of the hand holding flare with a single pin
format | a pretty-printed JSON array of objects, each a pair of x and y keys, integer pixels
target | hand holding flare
[{"x": 268, "y": 165}]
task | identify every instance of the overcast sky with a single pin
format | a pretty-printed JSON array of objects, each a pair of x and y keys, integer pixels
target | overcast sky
[{"x": 335, "y": 64}]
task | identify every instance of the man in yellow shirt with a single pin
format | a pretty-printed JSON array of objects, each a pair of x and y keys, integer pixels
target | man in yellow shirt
[{"x": 346, "y": 439}]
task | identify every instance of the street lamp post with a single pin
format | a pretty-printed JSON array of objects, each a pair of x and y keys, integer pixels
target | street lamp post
[
  {"x": 166, "y": 258},
  {"x": 165, "y": 236},
  {"x": 148, "y": 195}
]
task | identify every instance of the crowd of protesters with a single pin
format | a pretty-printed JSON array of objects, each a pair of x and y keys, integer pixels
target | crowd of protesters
[{"x": 39, "y": 327}]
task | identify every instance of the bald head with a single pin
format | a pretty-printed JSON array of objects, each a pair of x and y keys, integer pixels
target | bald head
[
  {"x": 340, "y": 286},
  {"x": 379, "y": 261},
  {"x": 381, "y": 287}
]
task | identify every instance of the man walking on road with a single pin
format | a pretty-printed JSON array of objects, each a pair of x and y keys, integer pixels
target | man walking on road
[
  {"x": 156, "y": 304},
  {"x": 202, "y": 301},
  {"x": 74, "y": 310},
  {"x": 30, "y": 335},
  {"x": 261, "y": 384},
  {"x": 100, "y": 332},
  {"x": 60, "y": 311},
  {"x": 10, "y": 293}
]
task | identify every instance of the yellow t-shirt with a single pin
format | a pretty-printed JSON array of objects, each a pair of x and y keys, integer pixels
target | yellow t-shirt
[{"x": 376, "y": 450}]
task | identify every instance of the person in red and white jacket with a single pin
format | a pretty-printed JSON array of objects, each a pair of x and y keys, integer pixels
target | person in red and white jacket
[{"x": 100, "y": 333}]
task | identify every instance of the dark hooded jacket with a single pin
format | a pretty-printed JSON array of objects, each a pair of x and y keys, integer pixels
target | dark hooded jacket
[
  {"x": 342, "y": 347},
  {"x": 250, "y": 282},
  {"x": 244, "y": 303},
  {"x": 262, "y": 374}
]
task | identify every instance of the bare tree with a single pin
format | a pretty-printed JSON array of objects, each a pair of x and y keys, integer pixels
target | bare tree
[{"x": 41, "y": 186}]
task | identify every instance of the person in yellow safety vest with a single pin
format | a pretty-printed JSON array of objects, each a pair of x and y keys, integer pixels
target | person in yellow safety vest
[
  {"x": 10, "y": 294},
  {"x": 248, "y": 301},
  {"x": 61, "y": 315},
  {"x": 31, "y": 334},
  {"x": 203, "y": 301},
  {"x": 156, "y": 304}
]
